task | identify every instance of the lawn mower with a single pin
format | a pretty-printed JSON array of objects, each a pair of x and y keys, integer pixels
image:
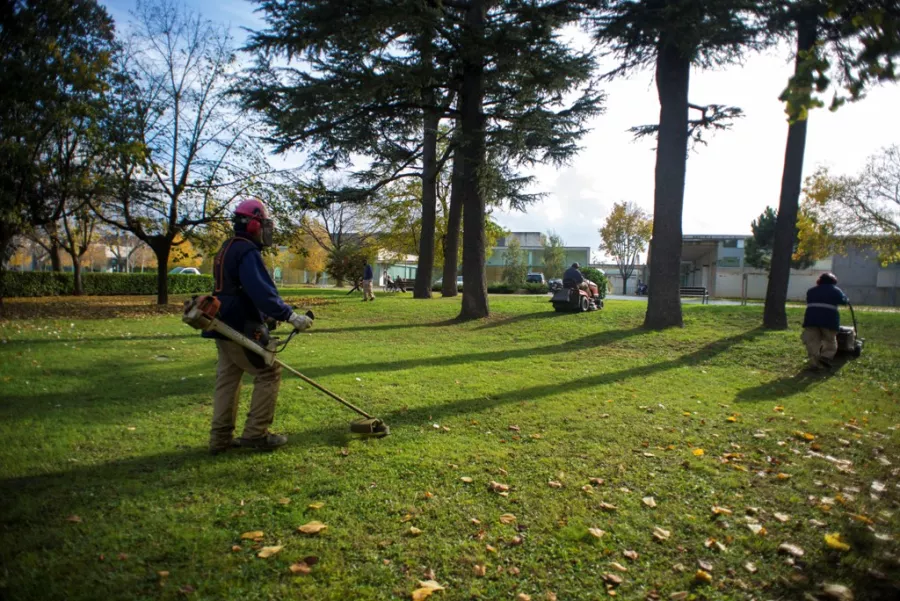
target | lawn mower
[
  {"x": 575, "y": 300},
  {"x": 848, "y": 338},
  {"x": 201, "y": 313}
]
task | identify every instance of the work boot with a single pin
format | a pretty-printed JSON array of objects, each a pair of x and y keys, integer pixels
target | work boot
[
  {"x": 269, "y": 442},
  {"x": 826, "y": 363},
  {"x": 218, "y": 448}
]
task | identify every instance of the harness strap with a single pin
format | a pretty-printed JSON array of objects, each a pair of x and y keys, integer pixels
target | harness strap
[{"x": 220, "y": 263}]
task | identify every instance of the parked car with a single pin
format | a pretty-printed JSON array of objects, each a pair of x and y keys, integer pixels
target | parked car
[
  {"x": 554, "y": 284},
  {"x": 535, "y": 278},
  {"x": 184, "y": 271},
  {"x": 440, "y": 282}
]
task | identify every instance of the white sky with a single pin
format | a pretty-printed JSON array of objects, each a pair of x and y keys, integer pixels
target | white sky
[{"x": 729, "y": 182}]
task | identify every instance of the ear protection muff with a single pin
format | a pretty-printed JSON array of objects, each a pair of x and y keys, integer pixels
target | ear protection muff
[{"x": 254, "y": 225}]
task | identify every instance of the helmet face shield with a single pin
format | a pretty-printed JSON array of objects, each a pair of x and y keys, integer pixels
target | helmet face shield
[{"x": 266, "y": 232}]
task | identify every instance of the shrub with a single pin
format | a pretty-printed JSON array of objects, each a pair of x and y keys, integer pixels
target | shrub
[
  {"x": 536, "y": 288},
  {"x": 39, "y": 283},
  {"x": 501, "y": 288}
]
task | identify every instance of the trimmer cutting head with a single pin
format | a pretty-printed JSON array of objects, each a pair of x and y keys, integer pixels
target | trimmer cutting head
[{"x": 370, "y": 427}]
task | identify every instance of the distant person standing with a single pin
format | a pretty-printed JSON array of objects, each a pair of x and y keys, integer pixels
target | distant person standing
[
  {"x": 822, "y": 321},
  {"x": 368, "y": 276}
]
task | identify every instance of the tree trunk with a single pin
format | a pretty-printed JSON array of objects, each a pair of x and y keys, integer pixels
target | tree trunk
[
  {"x": 161, "y": 248},
  {"x": 774, "y": 314},
  {"x": 425, "y": 270},
  {"x": 673, "y": 70},
  {"x": 76, "y": 272},
  {"x": 454, "y": 217},
  {"x": 55, "y": 259},
  {"x": 624, "y": 284},
  {"x": 474, "y": 297}
]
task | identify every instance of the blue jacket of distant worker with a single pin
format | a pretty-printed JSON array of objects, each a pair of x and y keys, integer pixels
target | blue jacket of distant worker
[
  {"x": 244, "y": 287},
  {"x": 822, "y": 303},
  {"x": 574, "y": 275},
  {"x": 367, "y": 273}
]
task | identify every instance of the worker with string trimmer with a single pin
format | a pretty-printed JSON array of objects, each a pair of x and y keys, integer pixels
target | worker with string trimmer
[{"x": 248, "y": 299}]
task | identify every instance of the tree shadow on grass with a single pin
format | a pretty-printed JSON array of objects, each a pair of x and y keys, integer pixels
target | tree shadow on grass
[
  {"x": 481, "y": 403},
  {"x": 518, "y": 319},
  {"x": 788, "y": 386},
  {"x": 87, "y": 339}
]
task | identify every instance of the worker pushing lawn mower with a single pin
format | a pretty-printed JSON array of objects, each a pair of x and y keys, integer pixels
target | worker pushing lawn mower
[
  {"x": 823, "y": 334},
  {"x": 243, "y": 307}
]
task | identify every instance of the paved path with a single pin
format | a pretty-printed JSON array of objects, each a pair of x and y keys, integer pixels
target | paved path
[{"x": 712, "y": 301}]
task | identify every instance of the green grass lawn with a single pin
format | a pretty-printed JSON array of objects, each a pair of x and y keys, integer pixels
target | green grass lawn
[{"x": 106, "y": 482}]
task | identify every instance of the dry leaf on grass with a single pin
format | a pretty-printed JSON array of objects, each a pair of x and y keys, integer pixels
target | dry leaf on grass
[
  {"x": 515, "y": 428},
  {"x": 301, "y": 567},
  {"x": 284, "y": 501},
  {"x": 702, "y": 576},
  {"x": 588, "y": 489},
  {"x": 596, "y": 481},
  {"x": 475, "y": 521},
  {"x": 267, "y": 552},
  {"x": 649, "y": 501},
  {"x": 316, "y": 505},
  {"x": 613, "y": 579},
  {"x": 836, "y": 592},
  {"x": 632, "y": 555},
  {"x": 781, "y": 517},
  {"x": 617, "y": 566},
  {"x": 74, "y": 519},
  {"x": 252, "y": 535},
  {"x": 607, "y": 506},
  {"x": 596, "y": 532},
  {"x": 705, "y": 565},
  {"x": 507, "y": 518},
  {"x": 313, "y": 527},
  {"x": 783, "y": 476},
  {"x": 661, "y": 534},
  {"x": 163, "y": 573},
  {"x": 554, "y": 484},
  {"x": 833, "y": 541},
  {"x": 235, "y": 548},
  {"x": 550, "y": 596},
  {"x": 432, "y": 584},
  {"x": 497, "y": 487},
  {"x": 721, "y": 510},
  {"x": 757, "y": 529},
  {"x": 698, "y": 452},
  {"x": 679, "y": 596},
  {"x": 790, "y": 549},
  {"x": 490, "y": 549},
  {"x": 878, "y": 486},
  {"x": 466, "y": 479},
  {"x": 523, "y": 597},
  {"x": 804, "y": 435},
  {"x": 750, "y": 567},
  {"x": 479, "y": 570},
  {"x": 413, "y": 531}
]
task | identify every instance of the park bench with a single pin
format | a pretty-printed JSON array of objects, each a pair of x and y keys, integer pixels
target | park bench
[
  {"x": 695, "y": 291},
  {"x": 401, "y": 283}
]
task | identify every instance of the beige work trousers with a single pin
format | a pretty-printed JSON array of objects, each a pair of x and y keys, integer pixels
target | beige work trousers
[
  {"x": 821, "y": 343},
  {"x": 266, "y": 381},
  {"x": 367, "y": 290}
]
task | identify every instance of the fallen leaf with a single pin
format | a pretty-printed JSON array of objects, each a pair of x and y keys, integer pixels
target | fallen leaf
[
  {"x": 497, "y": 487},
  {"x": 837, "y": 592},
  {"x": 466, "y": 479},
  {"x": 284, "y": 501},
  {"x": 235, "y": 548},
  {"x": 731, "y": 418},
  {"x": 300, "y": 568},
  {"x": 479, "y": 570},
  {"x": 514, "y": 571},
  {"x": 588, "y": 489},
  {"x": 790, "y": 549},
  {"x": 475, "y": 521},
  {"x": 702, "y": 576},
  {"x": 523, "y": 597},
  {"x": 313, "y": 527},
  {"x": 550, "y": 596},
  {"x": 804, "y": 435},
  {"x": 632, "y": 555},
  {"x": 253, "y": 535},
  {"x": 596, "y": 532},
  {"x": 516, "y": 541},
  {"x": 267, "y": 552},
  {"x": 614, "y": 579},
  {"x": 679, "y": 596},
  {"x": 316, "y": 505},
  {"x": 781, "y": 517},
  {"x": 413, "y": 531},
  {"x": 649, "y": 501},
  {"x": 778, "y": 408},
  {"x": 428, "y": 495},
  {"x": 420, "y": 594},
  {"x": 698, "y": 452},
  {"x": 817, "y": 523},
  {"x": 833, "y": 541},
  {"x": 606, "y": 506},
  {"x": 163, "y": 573},
  {"x": 721, "y": 510},
  {"x": 507, "y": 518},
  {"x": 187, "y": 589},
  {"x": 536, "y": 436},
  {"x": 757, "y": 529},
  {"x": 705, "y": 565},
  {"x": 596, "y": 481},
  {"x": 750, "y": 567},
  {"x": 431, "y": 584},
  {"x": 862, "y": 518},
  {"x": 783, "y": 476},
  {"x": 617, "y": 566},
  {"x": 490, "y": 549},
  {"x": 554, "y": 484},
  {"x": 429, "y": 574},
  {"x": 878, "y": 486},
  {"x": 515, "y": 428},
  {"x": 74, "y": 519},
  {"x": 661, "y": 534}
]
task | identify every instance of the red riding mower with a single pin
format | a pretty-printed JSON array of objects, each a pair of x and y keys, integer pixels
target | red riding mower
[{"x": 572, "y": 299}]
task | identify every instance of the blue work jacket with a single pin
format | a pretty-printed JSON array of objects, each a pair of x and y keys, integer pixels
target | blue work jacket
[{"x": 822, "y": 303}]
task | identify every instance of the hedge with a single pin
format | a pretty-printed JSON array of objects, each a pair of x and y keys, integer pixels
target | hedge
[
  {"x": 501, "y": 288},
  {"x": 47, "y": 283},
  {"x": 536, "y": 288}
]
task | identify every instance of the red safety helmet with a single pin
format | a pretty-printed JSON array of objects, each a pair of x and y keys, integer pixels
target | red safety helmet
[{"x": 253, "y": 215}]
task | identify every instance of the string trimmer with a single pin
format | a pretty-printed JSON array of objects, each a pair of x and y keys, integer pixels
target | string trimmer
[{"x": 201, "y": 313}]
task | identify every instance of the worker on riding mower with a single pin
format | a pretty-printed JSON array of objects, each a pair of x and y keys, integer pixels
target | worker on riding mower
[
  {"x": 573, "y": 278},
  {"x": 822, "y": 321},
  {"x": 249, "y": 301}
]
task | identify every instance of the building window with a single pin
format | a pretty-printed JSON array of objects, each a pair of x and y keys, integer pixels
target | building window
[
  {"x": 729, "y": 244},
  {"x": 501, "y": 241}
]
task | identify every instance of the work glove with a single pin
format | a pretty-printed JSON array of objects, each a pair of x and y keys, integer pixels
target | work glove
[{"x": 301, "y": 322}]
